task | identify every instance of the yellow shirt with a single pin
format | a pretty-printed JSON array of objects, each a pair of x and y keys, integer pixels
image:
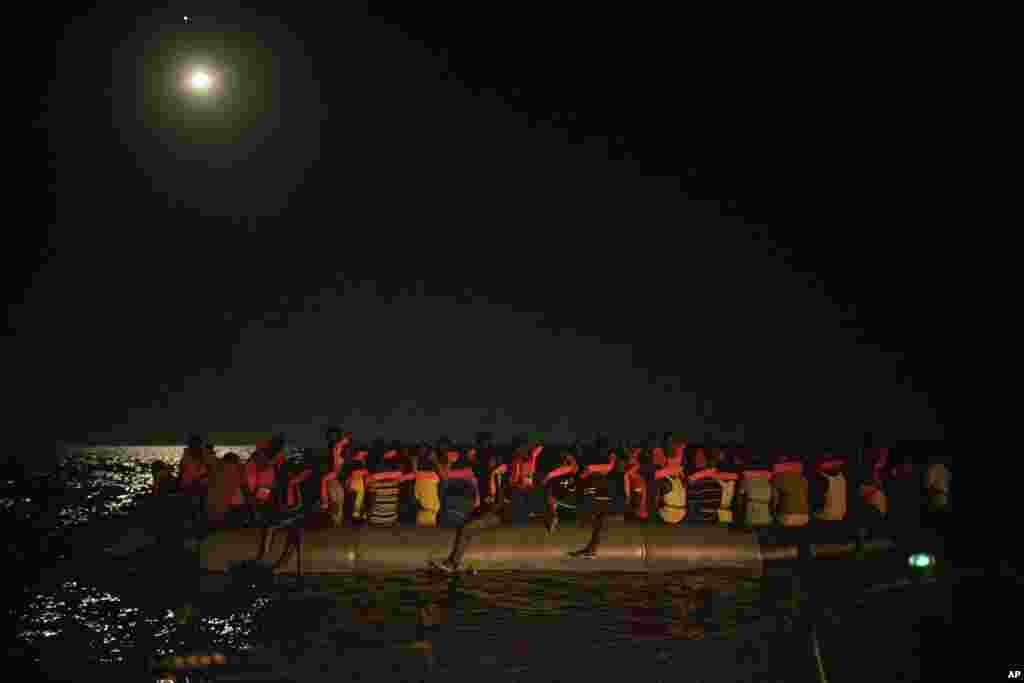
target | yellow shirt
[
  {"x": 673, "y": 506},
  {"x": 428, "y": 499}
]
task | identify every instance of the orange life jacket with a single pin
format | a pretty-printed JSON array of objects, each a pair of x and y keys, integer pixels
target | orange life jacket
[
  {"x": 561, "y": 472},
  {"x": 831, "y": 465},
  {"x": 494, "y": 481},
  {"x": 524, "y": 468},
  {"x": 597, "y": 469}
]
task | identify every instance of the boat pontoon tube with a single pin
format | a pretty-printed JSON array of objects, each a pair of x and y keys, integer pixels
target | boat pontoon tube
[{"x": 624, "y": 548}]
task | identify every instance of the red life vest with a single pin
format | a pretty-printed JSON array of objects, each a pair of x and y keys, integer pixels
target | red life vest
[
  {"x": 561, "y": 472},
  {"x": 193, "y": 470},
  {"x": 524, "y": 468},
  {"x": 831, "y": 465},
  {"x": 260, "y": 481}
]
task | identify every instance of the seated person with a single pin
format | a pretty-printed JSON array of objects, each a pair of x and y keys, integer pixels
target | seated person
[
  {"x": 635, "y": 486},
  {"x": 703, "y": 491},
  {"x": 754, "y": 493},
  {"x": 382, "y": 491},
  {"x": 832, "y": 470},
  {"x": 227, "y": 504},
  {"x": 427, "y": 491},
  {"x": 727, "y": 475},
  {"x": 560, "y": 491},
  {"x": 672, "y": 496},
  {"x": 460, "y": 491},
  {"x": 356, "y": 474},
  {"x": 790, "y": 492}
]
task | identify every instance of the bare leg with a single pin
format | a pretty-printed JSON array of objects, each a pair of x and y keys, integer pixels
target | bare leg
[
  {"x": 469, "y": 530},
  {"x": 598, "y": 518}
]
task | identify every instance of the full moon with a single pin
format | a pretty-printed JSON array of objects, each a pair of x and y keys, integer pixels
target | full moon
[{"x": 200, "y": 80}]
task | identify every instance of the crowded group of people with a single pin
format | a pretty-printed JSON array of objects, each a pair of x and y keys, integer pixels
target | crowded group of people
[{"x": 663, "y": 480}]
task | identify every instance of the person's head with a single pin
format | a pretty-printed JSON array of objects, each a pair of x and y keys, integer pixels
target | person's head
[
  {"x": 569, "y": 457},
  {"x": 232, "y": 458},
  {"x": 333, "y": 435}
]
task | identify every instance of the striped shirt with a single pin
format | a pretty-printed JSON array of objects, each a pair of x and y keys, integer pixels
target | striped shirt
[
  {"x": 385, "y": 499},
  {"x": 703, "y": 496}
]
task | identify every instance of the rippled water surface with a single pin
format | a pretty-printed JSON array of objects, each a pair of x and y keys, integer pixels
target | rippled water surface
[{"x": 504, "y": 625}]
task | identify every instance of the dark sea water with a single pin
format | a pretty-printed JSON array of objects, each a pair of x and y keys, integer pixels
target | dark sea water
[{"x": 82, "y": 620}]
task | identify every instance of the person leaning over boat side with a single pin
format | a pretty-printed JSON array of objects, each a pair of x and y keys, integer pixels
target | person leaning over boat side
[
  {"x": 382, "y": 490},
  {"x": 460, "y": 491},
  {"x": 487, "y": 516},
  {"x": 703, "y": 490},
  {"x": 789, "y": 492},
  {"x": 754, "y": 494}
]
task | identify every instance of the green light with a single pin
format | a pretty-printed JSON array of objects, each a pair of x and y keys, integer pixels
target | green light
[{"x": 921, "y": 560}]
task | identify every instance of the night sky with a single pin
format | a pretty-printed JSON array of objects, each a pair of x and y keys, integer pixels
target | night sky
[{"x": 415, "y": 229}]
